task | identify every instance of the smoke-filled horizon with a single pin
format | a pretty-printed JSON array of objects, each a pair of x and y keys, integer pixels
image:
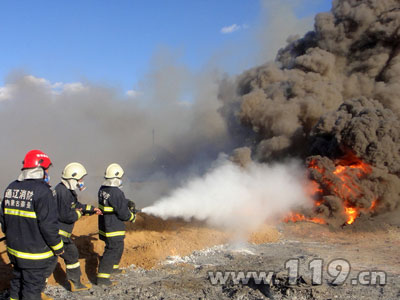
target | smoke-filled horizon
[
  {"x": 173, "y": 128},
  {"x": 236, "y": 198},
  {"x": 92, "y": 125}
]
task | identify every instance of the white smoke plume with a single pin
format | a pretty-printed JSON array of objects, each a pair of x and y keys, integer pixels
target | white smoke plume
[{"x": 236, "y": 198}]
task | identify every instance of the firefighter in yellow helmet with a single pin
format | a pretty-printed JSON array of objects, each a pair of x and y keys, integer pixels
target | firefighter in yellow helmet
[
  {"x": 115, "y": 209},
  {"x": 70, "y": 210}
]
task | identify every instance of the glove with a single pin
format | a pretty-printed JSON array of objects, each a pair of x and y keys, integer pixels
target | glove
[
  {"x": 88, "y": 210},
  {"x": 132, "y": 206}
]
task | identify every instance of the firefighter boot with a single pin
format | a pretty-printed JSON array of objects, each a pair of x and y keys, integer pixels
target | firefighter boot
[
  {"x": 105, "y": 282},
  {"x": 77, "y": 285},
  {"x": 45, "y": 297},
  {"x": 74, "y": 279},
  {"x": 117, "y": 271}
]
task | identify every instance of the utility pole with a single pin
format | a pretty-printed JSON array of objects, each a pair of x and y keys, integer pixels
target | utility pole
[
  {"x": 153, "y": 148},
  {"x": 153, "y": 138}
]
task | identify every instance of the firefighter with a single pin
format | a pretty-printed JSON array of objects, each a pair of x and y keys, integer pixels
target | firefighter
[
  {"x": 69, "y": 211},
  {"x": 114, "y": 207},
  {"x": 29, "y": 218}
]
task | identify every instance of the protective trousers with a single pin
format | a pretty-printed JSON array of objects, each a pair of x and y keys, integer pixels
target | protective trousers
[
  {"x": 111, "y": 257},
  {"x": 71, "y": 259},
  {"x": 27, "y": 284}
]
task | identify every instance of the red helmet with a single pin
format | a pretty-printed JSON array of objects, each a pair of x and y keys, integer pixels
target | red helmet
[{"x": 36, "y": 158}]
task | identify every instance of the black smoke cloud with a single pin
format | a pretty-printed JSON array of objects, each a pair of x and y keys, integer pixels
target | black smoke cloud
[
  {"x": 333, "y": 92},
  {"x": 365, "y": 127},
  {"x": 360, "y": 128}
]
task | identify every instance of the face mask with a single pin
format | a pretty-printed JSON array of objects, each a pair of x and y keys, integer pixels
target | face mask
[
  {"x": 81, "y": 186},
  {"x": 46, "y": 177}
]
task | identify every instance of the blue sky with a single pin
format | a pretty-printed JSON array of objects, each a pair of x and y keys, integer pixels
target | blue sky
[{"x": 113, "y": 42}]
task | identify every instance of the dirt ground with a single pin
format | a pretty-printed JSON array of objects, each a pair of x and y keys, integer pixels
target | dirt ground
[
  {"x": 149, "y": 241},
  {"x": 164, "y": 260},
  {"x": 366, "y": 250}
]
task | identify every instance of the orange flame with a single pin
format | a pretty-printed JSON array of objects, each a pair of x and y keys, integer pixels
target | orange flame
[
  {"x": 346, "y": 187},
  {"x": 296, "y": 217},
  {"x": 373, "y": 205},
  {"x": 352, "y": 214},
  {"x": 313, "y": 165},
  {"x": 344, "y": 169}
]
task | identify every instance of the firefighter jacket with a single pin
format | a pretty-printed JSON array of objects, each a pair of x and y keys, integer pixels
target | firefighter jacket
[
  {"x": 29, "y": 213},
  {"x": 114, "y": 206},
  {"x": 69, "y": 209}
]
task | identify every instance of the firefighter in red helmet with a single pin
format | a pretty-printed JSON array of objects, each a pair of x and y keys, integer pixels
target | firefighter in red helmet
[{"x": 29, "y": 217}]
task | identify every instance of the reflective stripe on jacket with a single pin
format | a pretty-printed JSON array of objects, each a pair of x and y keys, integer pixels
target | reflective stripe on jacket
[
  {"x": 29, "y": 216},
  {"x": 114, "y": 205}
]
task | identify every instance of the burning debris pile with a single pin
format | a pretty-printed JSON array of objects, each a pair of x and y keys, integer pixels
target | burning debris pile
[
  {"x": 357, "y": 173},
  {"x": 333, "y": 99}
]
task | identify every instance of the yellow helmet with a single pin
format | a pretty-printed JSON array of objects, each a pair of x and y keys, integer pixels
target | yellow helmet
[
  {"x": 74, "y": 171},
  {"x": 114, "y": 171}
]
